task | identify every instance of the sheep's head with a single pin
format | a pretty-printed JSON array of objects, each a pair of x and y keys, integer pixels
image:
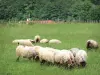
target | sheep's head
[
  {"x": 89, "y": 45},
  {"x": 38, "y": 40},
  {"x": 83, "y": 63}
]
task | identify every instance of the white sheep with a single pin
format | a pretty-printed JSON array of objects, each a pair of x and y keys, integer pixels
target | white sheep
[
  {"x": 25, "y": 52},
  {"x": 92, "y": 44},
  {"x": 62, "y": 58},
  {"x": 74, "y": 51},
  {"x": 51, "y": 49},
  {"x": 71, "y": 56},
  {"x": 55, "y": 41},
  {"x": 24, "y": 42},
  {"x": 44, "y": 54},
  {"x": 81, "y": 58},
  {"x": 37, "y": 38},
  {"x": 44, "y": 41}
]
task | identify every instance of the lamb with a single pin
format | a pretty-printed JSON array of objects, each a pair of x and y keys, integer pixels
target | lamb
[
  {"x": 37, "y": 38},
  {"x": 25, "y": 52},
  {"x": 44, "y": 41},
  {"x": 55, "y": 41},
  {"x": 81, "y": 58},
  {"x": 92, "y": 44},
  {"x": 24, "y": 42}
]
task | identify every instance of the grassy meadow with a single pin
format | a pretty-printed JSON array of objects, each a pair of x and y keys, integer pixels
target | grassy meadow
[{"x": 71, "y": 34}]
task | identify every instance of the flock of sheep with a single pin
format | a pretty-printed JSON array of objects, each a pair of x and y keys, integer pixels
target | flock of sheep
[{"x": 67, "y": 58}]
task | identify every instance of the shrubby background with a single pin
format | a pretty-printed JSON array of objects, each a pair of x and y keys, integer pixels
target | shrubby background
[{"x": 57, "y": 10}]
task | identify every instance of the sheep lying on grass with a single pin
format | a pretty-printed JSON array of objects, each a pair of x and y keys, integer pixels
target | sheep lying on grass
[
  {"x": 55, "y": 41},
  {"x": 92, "y": 44},
  {"x": 25, "y": 52},
  {"x": 44, "y": 41},
  {"x": 24, "y": 42}
]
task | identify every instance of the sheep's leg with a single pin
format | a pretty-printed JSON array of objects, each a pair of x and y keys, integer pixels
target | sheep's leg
[
  {"x": 65, "y": 65},
  {"x": 33, "y": 58},
  {"x": 58, "y": 64},
  {"x": 29, "y": 58},
  {"x": 17, "y": 58},
  {"x": 36, "y": 58},
  {"x": 42, "y": 62},
  {"x": 48, "y": 63},
  {"x": 70, "y": 66},
  {"x": 78, "y": 65}
]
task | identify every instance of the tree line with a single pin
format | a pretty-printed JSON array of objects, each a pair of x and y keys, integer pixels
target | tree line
[{"x": 80, "y": 10}]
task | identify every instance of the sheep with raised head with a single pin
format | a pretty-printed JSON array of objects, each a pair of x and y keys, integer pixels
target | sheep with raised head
[
  {"x": 81, "y": 58},
  {"x": 44, "y": 41},
  {"x": 92, "y": 44},
  {"x": 25, "y": 52},
  {"x": 55, "y": 41},
  {"x": 24, "y": 42},
  {"x": 37, "y": 38}
]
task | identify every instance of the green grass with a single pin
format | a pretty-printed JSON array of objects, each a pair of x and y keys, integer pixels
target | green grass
[{"x": 71, "y": 35}]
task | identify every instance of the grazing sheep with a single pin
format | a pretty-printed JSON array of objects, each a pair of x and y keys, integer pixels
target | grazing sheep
[
  {"x": 24, "y": 42},
  {"x": 62, "y": 58},
  {"x": 81, "y": 58},
  {"x": 25, "y": 52},
  {"x": 44, "y": 41},
  {"x": 92, "y": 44},
  {"x": 71, "y": 56},
  {"x": 57, "y": 57},
  {"x": 74, "y": 51},
  {"x": 37, "y": 38},
  {"x": 55, "y": 41},
  {"x": 44, "y": 54},
  {"x": 51, "y": 49}
]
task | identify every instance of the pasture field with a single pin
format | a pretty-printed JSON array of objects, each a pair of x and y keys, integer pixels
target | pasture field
[{"x": 71, "y": 34}]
